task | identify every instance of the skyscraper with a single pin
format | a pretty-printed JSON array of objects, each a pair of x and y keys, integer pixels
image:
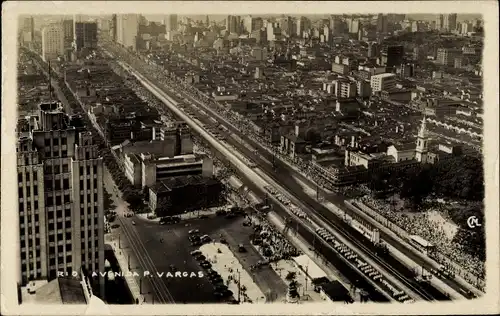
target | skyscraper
[
  {"x": 395, "y": 55},
  {"x": 60, "y": 192},
  {"x": 382, "y": 23},
  {"x": 29, "y": 28},
  {"x": 450, "y": 22},
  {"x": 303, "y": 24},
  {"x": 127, "y": 28},
  {"x": 439, "y": 22},
  {"x": 85, "y": 35},
  {"x": 68, "y": 33},
  {"x": 170, "y": 22},
  {"x": 52, "y": 42}
]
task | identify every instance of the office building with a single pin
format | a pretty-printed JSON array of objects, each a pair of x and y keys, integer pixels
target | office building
[
  {"x": 127, "y": 28},
  {"x": 250, "y": 24},
  {"x": 385, "y": 81},
  {"x": 450, "y": 22},
  {"x": 60, "y": 193},
  {"x": 52, "y": 42},
  {"x": 68, "y": 33},
  {"x": 382, "y": 23},
  {"x": 28, "y": 28},
  {"x": 439, "y": 22},
  {"x": 233, "y": 24},
  {"x": 85, "y": 35},
  {"x": 170, "y": 22},
  {"x": 345, "y": 89},
  {"x": 446, "y": 56},
  {"x": 373, "y": 49},
  {"x": 395, "y": 55}
]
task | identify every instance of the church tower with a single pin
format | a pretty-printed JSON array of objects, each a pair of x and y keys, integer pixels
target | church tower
[{"x": 422, "y": 142}]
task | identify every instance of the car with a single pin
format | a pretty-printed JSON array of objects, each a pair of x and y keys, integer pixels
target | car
[
  {"x": 241, "y": 248},
  {"x": 204, "y": 216},
  {"x": 206, "y": 265},
  {"x": 223, "y": 241},
  {"x": 133, "y": 223},
  {"x": 194, "y": 238},
  {"x": 200, "y": 258},
  {"x": 193, "y": 231},
  {"x": 196, "y": 253},
  {"x": 196, "y": 243}
]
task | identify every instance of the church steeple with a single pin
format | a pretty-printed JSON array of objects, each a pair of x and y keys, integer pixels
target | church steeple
[{"x": 421, "y": 150}]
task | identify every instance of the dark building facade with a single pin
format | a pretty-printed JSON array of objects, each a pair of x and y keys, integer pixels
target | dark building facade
[{"x": 85, "y": 35}]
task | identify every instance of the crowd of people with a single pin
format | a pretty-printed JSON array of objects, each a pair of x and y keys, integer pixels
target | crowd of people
[
  {"x": 446, "y": 249},
  {"x": 273, "y": 246}
]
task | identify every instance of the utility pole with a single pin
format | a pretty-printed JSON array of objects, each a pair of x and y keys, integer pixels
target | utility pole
[
  {"x": 239, "y": 286},
  {"x": 129, "y": 262},
  {"x": 119, "y": 242},
  {"x": 140, "y": 285}
]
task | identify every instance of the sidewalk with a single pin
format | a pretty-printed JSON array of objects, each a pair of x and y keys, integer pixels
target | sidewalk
[
  {"x": 332, "y": 273},
  {"x": 132, "y": 283}
]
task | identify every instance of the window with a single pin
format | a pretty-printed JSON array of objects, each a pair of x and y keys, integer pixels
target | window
[
  {"x": 38, "y": 253},
  {"x": 65, "y": 168},
  {"x": 88, "y": 183},
  {"x": 37, "y": 229},
  {"x": 63, "y": 141},
  {"x": 47, "y": 142},
  {"x": 67, "y": 198},
  {"x": 95, "y": 183},
  {"x": 82, "y": 223},
  {"x": 60, "y": 248},
  {"x": 35, "y": 189},
  {"x": 60, "y": 260},
  {"x": 21, "y": 193},
  {"x": 35, "y": 176},
  {"x": 36, "y": 205},
  {"x": 82, "y": 234},
  {"x": 67, "y": 213},
  {"x": 81, "y": 184},
  {"x": 37, "y": 217},
  {"x": 58, "y": 184},
  {"x": 68, "y": 236},
  {"x": 95, "y": 169},
  {"x": 51, "y": 238},
  {"x": 64, "y": 153},
  {"x": 59, "y": 225},
  {"x": 27, "y": 176},
  {"x": 21, "y": 206},
  {"x": 68, "y": 224},
  {"x": 55, "y": 141},
  {"x": 68, "y": 259},
  {"x": 50, "y": 201},
  {"x": 28, "y": 190},
  {"x": 51, "y": 226},
  {"x": 58, "y": 200},
  {"x": 19, "y": 177},
  {"x": 96, "y": 221},
  {"x": 95, "y": 197},
  {"x": 81, "y": 170},
  {"x": 65, "y": 184}
]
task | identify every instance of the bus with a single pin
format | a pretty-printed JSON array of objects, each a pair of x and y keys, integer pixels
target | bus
[{"x": 421, "y": 244}]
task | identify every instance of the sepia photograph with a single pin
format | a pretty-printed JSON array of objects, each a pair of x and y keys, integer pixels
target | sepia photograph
[{"x": 282, "y": 159}]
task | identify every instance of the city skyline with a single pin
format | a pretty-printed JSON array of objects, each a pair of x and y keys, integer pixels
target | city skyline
[{"x": 210, "y": 162}]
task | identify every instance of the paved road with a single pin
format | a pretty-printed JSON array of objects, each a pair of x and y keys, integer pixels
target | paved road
[{"x": 284, "y": 175}]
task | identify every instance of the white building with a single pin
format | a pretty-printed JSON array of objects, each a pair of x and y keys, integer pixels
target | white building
[
  {"x": 52, "y": 42},
  {"x": 385, "y": 81},
  {"x": 127, "y": 27},
  {"x": 60, "y": 194}
]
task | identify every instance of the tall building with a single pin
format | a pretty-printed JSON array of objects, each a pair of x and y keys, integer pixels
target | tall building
[
  {"x": 60, "y": 193},
  {"x": 171, "y": 23},
  {"x": 113, "y": 28},
  {"x": 466, "y": 27},
  {"x": 382, "y": 23},
  {"x": 28, "y": 27},
  {"x": 68, "y": 33},
  {"x": 303, "y": 24},
  {"x": 395, "y": 55},
  {"x": 127, "y": 28},
  {"x": 233, "y": 24},
  {"x": 450, "y": 22},
  {"x": 52, "y": 42},
  {"x": 249, "y": 23},
  {"x": 85, "y": 35},
  {"x": 373, "y": 49},
  {"x": 439, "y": 22},
  {"x": 446, "y": 56}
]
